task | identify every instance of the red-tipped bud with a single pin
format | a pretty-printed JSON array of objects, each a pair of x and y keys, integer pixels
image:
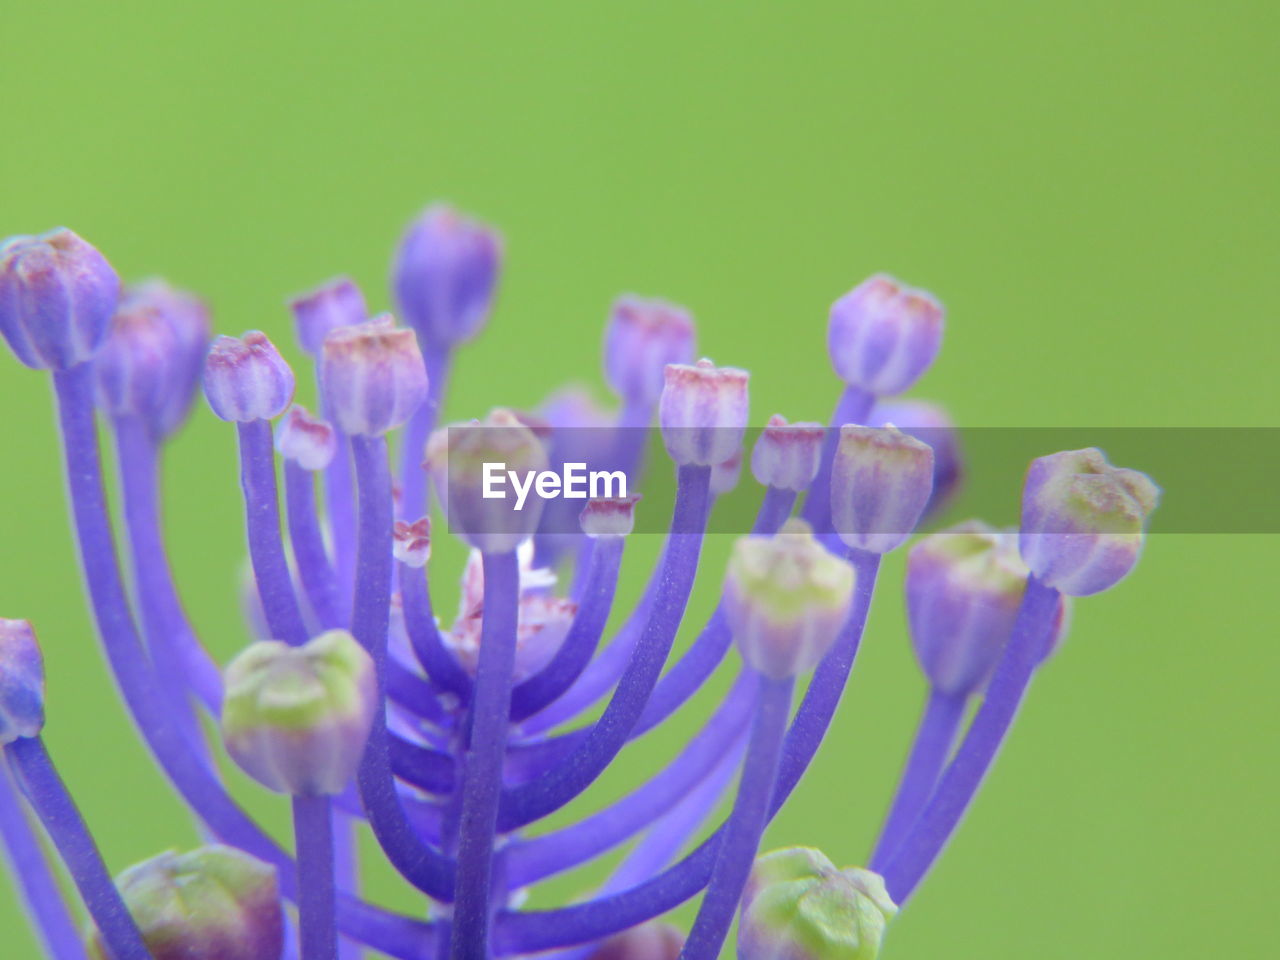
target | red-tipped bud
[
  {"x": 703, "y": 412},
  {"x": 880, "y": 482},
  {"x": 786, "y": 455},
  {"x": 612, "y": 517},
  {"x": 883, "y": 335},
  {"x": 339, "y": 303},
  {"x": 372, "y": 376},
  {"x": 411, "y": 542},
  {"x": 246, "y": 379},
  {"x": 306, "y": 440},
  {"x": 642, "y": 338}
]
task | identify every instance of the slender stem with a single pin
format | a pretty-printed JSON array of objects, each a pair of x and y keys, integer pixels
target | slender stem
[
  {"x": 930, "y": 833},
  {"x": 742, "y": 831},
  {"x": 559, "y": 785},
  {"x": 424, "y": 636},
  {"x": 262, "y": 518},
  {"x": 482, "y": 769},
  {"x": 339, "y": 499},
  {"x": 414, "y": 482},
  {"x": 934, "y": 738},
  {"x": 318, "y": 580},
  {"x": 313, "y": 838},
  {"x": 854, "y": 406},
  {"x": 48, "y": 795},
  {"x": 31, "y": 871}
]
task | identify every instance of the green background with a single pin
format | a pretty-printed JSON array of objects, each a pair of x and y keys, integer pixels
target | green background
[{"x": 1089, "y": 187}]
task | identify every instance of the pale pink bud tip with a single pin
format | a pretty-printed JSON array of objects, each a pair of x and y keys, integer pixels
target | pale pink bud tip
[
  {"x": 305, "y": 439},
  {"x": 786, "y": 455},
  {"x": 411, "y": 542},
  {"x": 609, "y": 517},
  {"x": 703, "y": 412},
  {"x": 883, "y": 335}
]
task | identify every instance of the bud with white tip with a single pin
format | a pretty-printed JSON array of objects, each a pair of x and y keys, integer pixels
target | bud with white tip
[
  {"x": 883, "y": 335},
  {"x": 609, "y": 517},
  {"x": 880, "y": 482},
  {"x": 21, "y": 682},
  {"x": 305, "y": 439},
  {"x": 787, "y": 455},
  {"x": 703, "y": 412},
  {"x": 246, "y": 379}
]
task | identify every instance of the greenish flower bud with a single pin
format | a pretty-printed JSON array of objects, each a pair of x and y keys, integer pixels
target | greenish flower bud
[
  {"x": 296, "y": 718},
  {"x": 215, "y": 903},
  {"x": 798, "y": 906}
]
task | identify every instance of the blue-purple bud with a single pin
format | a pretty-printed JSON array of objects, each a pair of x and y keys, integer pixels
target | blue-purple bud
[
  {"x": 1083, "y": 520},
  {"x": 21, "y": 682},
  {"x": 246, "y": 379},
  {"x": 703, "y": 412},
  {"x": 798, "y": 906},
  {"x": 411, "y": 542},
  {"x": 787, "y": 455},
  {"x": 649, "y": 941},
  {"x": 214, "y": 903},
  {"x": 57, "y": 295},
  {"x": 964, "y": 586},
  {"x": 446, "y": 272},
  {"x": 883, "y": 335},
  {"x": 339, "y": 303},
  {"x": 305, "y": 439},
  {"x": 372, "y": 376},
  {"x": 609, "y": 517},
  {"x": 296, "y": 719},
  {"x": 786, "y": 599},
  {"x": 151, "y": 361},
  {"x": 880, "y": 482},
  {"x": 929, "y": 422},
  {"x": 644, "y": 336}
]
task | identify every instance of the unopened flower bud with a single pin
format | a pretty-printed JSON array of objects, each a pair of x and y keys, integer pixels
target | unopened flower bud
[
  {"x": 883, "y": 335},
  {"x": 296, "y": 718},
  {"x": 724, "y": 476},
  {"x": 246, "y": 379},
  {"x": 373, "y": 376},
  {"x": 339, "y": 303},
  {"x": 703, "y": 412},
  {"x": 446, "y": 272},
  {"x": 57, "y": 295},
  {"x": 1083, "y": 520},
  {"x": 609, "y": 517},
  {"x": 929, "y": 422},
  {"x": 880, "y": 482},
  {"x": 21, "y": 682},
  {"x": 649, "y": 941},
  {"x": 411, "y": 542},
  {"x": 786, "y": 598},
  {"x": 484, "y": 472},
  {"x": 798, "y": 906},
  {"x": 644, "y": 336},
  {"x": 786, "y": 455},
  {"x": 214, "y": 903},
  {"x": 305, "y": 439}
]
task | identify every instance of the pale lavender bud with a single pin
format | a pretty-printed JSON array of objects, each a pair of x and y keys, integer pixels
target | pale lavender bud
[
  {"x": 609, "y": 517},
  {"x": 21, "y": 682},
  {"x": 246, "y": 379},
  {"x": 339, "y": 303},
  {"x": 57, "y": 295},
  {"x": 411, "y": 542},
  {"x": 703, "y": 412},
  {"x": 724, "y": 476},
  {"x": 787, "y": 455},
  {"x": 644, "y": 336},
  {"x": 880, "y": 482},
  {"x": 372, "y": 376},
  {"x": 883, "y": 335},
  {"x": 649, "y": 941},
  {"x": 786, "y": 598},
  {"x": 446, "y": 272},
  {"x": 1083, "y": 520},
  {"x": 296, "y": 718},
  {"x": 305, "y": 439},
  {"x": 214, "y": 903},
  {"x": 929, "y": 422},
  {"x": 798, "y": 906}
]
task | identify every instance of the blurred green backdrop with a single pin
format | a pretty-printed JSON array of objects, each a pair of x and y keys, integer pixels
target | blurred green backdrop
[{"x": 1089, "y": 187}]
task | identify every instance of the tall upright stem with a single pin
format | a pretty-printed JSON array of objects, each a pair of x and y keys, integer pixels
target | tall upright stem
[{"x": 313, "y": 839}]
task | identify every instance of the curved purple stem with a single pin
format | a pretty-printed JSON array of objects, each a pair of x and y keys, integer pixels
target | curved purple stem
[
  {"x": 424, "y": 636},
  {"x": 943, "y": 713},
  {"x": 414, "y": 481},
  {"x": 931, "y": 831},
  {"x": 421, "y": 767},
  {"x": 413, "y": 692},
  {"x": 309, "y": 554},
  {"x": 48, "y": 795},
  {"x": 313, "y": 833},
  {"x": 854, "y": 406}
]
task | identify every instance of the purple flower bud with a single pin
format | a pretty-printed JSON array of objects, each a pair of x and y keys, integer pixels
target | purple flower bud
[
  {"x": 883, "y": 335},
  {"x": 21, "y": 682},
  {"x": 703, "y": 412},
  {"x": 214, "y": 903},
  {"x": 339, "y": 303},
  {"x": 786, "y": 598},
  {"x": 880, "y": 482},
  {"x": 246, "y": 379},
  {"x": 642, "y": 338},
  {"x": 929, "y": 422},
  {"x": 786, "y": 455},
  {"x": 1083, "y": 520},
  {"x": 57, "y": 295},
  {"x": 305, "y": 439},
  {"x": 296, "y": 718},
  {"x": 477, "y": 470},
  {"x": 724, "y": 476},
  {"x": 373, "y": 376},
  {"x": 151, "y": 361},
  {"x": 798, "y": 906},
  {"x": 649, "y": 941},
  {"x": 613, "y": 517},
  {"x": 445, "y": 275},
  {"x": 964, "y": 586},
  {"x": 411, "y": 542}
]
